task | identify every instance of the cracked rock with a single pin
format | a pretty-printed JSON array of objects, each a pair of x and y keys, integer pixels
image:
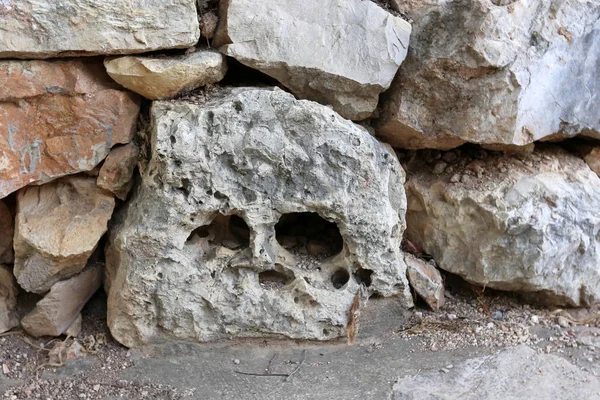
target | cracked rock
[
  {"x": 343, "y": 54},
  {"x": 526, "y": 223},
  {"x": 199, "y": 251},
  {"x": 495, "y": 74}
]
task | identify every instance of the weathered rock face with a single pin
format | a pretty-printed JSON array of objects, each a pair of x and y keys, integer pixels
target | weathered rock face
[
  {"x": 200, "y": 251},
  {"x": 593, "y": 160},
  {"x": 58, "y": 118},
  {"x": 6, "y": 235},
  {"x": 426, "y": 280},
  {"x": 33, "y": 29},
  {"x": 340, "y": 54},
  {"x": 60, "y": 308},
  {"x": 58, "y": 226},
  {"x": 8, "y": 299},
  {"x": 496, "y": 74},
  {"x": 166, "y": 77},
  {"x": 116, "y": 174},
  {"x": 527, "y": 223}
]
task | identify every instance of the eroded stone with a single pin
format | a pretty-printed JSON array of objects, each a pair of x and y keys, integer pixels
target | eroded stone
[
  {"x": 58, "y": 226},
  {"x": 33, "y": 29},
  {"x": 196, "y": 254},
  {"x": 495, "y": 74},
  {"x": 527, "y": 223},
  {"x": 116, "y": 174},
  {"x": 340, "y": 54},
  {"x": 166, "y": 77},
  {"x": 8, "y": 299},
  {"x": 58, "y": 118}
]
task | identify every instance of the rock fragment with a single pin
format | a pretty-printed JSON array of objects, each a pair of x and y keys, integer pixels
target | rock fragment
[
  {"x": 60, "y": 308},
  {"x": 58, "y": 118},
  {"x": 116, "y": 174},
  {"x": 525, "y": 223},
  {"x": 58, "y": 226},
  {"x": 339, "y": 54},
  {"x": 6, "y": 235},
  {"x": 197, "y": 253},
  {"x": 33, "y": 29},
  {"x": 426, "y": 280},
  {"x": 8, "y": 299},
  {"x": 593, "y": 160},
  {"x": 166, "y": 77}
]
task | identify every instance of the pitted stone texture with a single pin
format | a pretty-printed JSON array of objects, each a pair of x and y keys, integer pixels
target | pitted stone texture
[
  {"x": 59, "y": 310},
  {"x": 593, "y": 160},
  {"x": 166, "y": 77},
  {"x": 116, "y": 174},
  {"x": 42, "y": 29},
  {"x": 58, "y": 118},
  {"x": 58, "y": 226},
  {"x": 178, "y": 267},
  {"x": 527, "y": 223},
  {"x": 7, "y": 226},
  {"x": 343, "y": 54},
  {"x": 8, "y": 299},
  {"x": 483, "y": 73}
]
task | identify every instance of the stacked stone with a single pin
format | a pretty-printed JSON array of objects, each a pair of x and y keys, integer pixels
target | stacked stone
[{"x": 201, "y": 249}]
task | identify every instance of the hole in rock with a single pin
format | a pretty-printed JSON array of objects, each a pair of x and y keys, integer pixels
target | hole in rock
[
  {"x": 308, "y": 234},
  {"x": 229, "y": 231},
  {"x": 363, "y": 275},
  {"x": 340, "y": 278},
  {"x": 272, "y": 279}
]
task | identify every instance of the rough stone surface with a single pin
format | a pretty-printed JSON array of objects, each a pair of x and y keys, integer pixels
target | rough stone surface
[
  {"x": 7, "y": 226},
  {"x": 426, "y": 280},
  {"x": 34, "y": 29},
  {"x": 338, "y": 53},
  {"x": 496, "y": 74},
  {"x": 75, "y": 328},
  {"x": 58, "y": 118},
  {"x": 593, "y": 160},
  {"x": 58, "y": 226},
  {"x": 180, "y": 266},
  {"x": 526, "y": 223},
  {"x": 515, "y": 373},
  {"x": 59, "y": 309},
  {"x": 116, "y": 174},
  {"x": 8, "y": 299},
  {"x": 166, "y": 77}
]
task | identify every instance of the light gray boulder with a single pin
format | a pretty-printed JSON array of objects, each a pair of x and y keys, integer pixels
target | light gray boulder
[
  {"x": 495, "y": 72},
  {"x": 43, "y": 29},
  {"x": 343, "y": 54},
  {"x": 203, "y": 249},
  {"x": 526, "y": 223}
]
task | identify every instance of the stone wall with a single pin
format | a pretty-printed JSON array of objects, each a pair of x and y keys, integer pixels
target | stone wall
[{"x": 242, "y": 168}]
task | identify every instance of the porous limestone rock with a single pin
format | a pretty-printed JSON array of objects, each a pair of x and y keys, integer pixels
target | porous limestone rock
[
  {"x": 60, "y": 308},
  {"x": 6, "y": 235},
  {"x": 42, "y": 29},
  {"x": 493, "y": 72},
  {"x": 343, "y": 54},
  {"x": 8, "y": 299},
  {"x": 116, "y": 174},
  {"x": 527, "y": 223},
  {"x": 58, "y": 118},
  {"x": 593, "y": 160},
  {"x": 166, "y": 77},
  {"x": 426, "y": 280},
  {"x": 58, "y": 226},
  {"x": 196, "y": 253}
]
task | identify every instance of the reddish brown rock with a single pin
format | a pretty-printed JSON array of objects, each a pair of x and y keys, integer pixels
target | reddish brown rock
[
  {"x": 117, "y": 171},
  {"x": 8, "y": 299},
  {"x": 58, "y": 226},
  {"x": 6, "y": 235},
  {"x": 426, "y": 280},
  {"x": 593, "y": 160},
  {"x": 56, "y": 312},
  {"x": 58, "y": 118}
]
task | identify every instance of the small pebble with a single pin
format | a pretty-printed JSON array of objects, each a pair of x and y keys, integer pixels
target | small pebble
[
  {"x": 452, "y": 317},
  {"x": 535, "y": 319},
  {"x": 497, "y": 315},
  {"x": 236, "y": 361}
]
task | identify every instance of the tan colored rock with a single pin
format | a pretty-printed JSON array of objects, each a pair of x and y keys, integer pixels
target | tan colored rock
[
  {"x": 56, "y": 312},
  {"x": 58, "y": 226},
  {"x": 41, "y": 29},
  {"x": 8, "y": 299},
  {"x": 75, "y": 328},
  {"x": 166, "y": 77},
  {"x": 58, "y": 118},
  {"x": 6, "y": 235},
  {"x": 426, "y": 280},
  {"x": 593, "y": 160},
  {"x": 116, "y": 174}
]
